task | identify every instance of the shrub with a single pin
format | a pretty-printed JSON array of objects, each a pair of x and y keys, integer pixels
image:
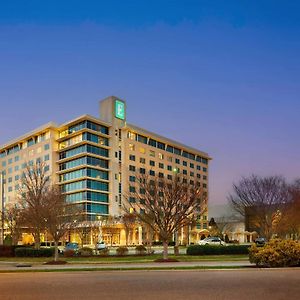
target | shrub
[
  {"x": 6, "y": 251},
  {"x": 31, "y": 252},
  {"x": 122, "y": 251},
  {"x": 85, "y": 251},
  {"x": 104, "y": 252},
  {"x": 217, "y": 250},
  {"x": 69, "y": 253},
  {"x": 276, "y": 253},
  {"x": 140, "y": 249}
]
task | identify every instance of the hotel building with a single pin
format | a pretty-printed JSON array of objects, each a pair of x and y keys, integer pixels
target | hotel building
[{"x": 95, "y": 160}]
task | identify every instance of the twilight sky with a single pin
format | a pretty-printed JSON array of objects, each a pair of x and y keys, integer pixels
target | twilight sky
[{"x": 221, "y": 76}]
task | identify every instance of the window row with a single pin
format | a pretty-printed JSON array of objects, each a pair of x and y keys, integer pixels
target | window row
[
  {"x": 163, "y": 146},
  {"x": 86, "y": 172},
  {"x": 86, "y": 160},
  {"x": 82, "y": 125},
  {"x": 87, "y": 195},
  {"x": 31, "y": 141},
  {"x": 84, "y": 148},
  {"x": 85, "y": 184}
]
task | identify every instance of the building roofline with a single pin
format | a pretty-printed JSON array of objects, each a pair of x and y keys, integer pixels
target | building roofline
[
  {"x": 167, "y": 140},
  {"x": 82, "y": 117},
  {"x": 25, "y": 136}
]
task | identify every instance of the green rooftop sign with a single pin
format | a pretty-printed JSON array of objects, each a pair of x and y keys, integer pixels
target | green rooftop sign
[{"x": 120, "y": 109}]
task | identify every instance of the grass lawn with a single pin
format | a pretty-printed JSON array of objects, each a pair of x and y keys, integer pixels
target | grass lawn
[{"x": 126, "y": 259}]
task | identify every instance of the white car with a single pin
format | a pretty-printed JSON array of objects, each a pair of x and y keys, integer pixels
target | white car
[
  {"x": 101, "y": 246},
  {"x": 211, "y": 241}
]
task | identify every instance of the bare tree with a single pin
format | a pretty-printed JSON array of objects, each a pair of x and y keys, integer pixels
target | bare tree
[
  {"x": 289, "y": 223},
  {"x": 165, "y": 205},
  {"x": 129, "y": 222},
  {"x": 57, "y": 215},
  {"x": 258, "y": 199},
  {"x": 12, "y": 219},
  {"x": 34, "y": 186}
]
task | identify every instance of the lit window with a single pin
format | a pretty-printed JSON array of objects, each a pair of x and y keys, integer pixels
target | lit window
[
  {"x": 160, "y": 156},
  {"x": 142, "y": 150},
  {"x": 152, "y": 153},
  {"x": 131, "y": 147},
  {"x": 131, "y": 135}
]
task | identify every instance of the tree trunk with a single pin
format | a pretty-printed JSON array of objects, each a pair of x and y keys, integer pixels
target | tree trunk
[
  {"x": 55, "y": 250},
  {"x": 165, "y": 251},
  {"x": 37, "y": 240},
  {"x": 176, "y": 245}
]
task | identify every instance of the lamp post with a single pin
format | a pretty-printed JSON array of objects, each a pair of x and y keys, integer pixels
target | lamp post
[{"x": 2, "y": 207}]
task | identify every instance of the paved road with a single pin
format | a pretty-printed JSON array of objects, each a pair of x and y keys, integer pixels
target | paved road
[{"x": 155, "y": 285}]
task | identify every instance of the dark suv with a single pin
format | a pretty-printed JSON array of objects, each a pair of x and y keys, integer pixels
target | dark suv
[{"x": 260, "y": 241}]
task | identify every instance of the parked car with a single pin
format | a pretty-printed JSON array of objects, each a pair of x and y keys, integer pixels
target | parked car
[
  {"x": 260, "y": 241},
  {"x": 101, "y": 246},
  {"x": 212, "y": 241},
  {"x": 72, "y": 246}
]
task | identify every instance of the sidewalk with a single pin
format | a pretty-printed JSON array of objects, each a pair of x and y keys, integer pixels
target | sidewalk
[{"x": 18, "y": 266}]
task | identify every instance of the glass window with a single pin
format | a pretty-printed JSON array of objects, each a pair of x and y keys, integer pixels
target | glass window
[
  {"x": 152, "y": 173},
  {"x": 152, "y": 142},
  {"x": 142, "y": 139},
  {"x": 132, "y": 178},
  {"x": 177, "y": 151},
  {"x": 142, "y": 160},
  {"x": 152, "y": 163},
  {"x": 192, "y": 165},
  {"x": 131, "y": 147},
  {"x": 132, "y": 157},
  {"x": 160, "y": 156},
  {"x": 177, "y": 161},
  {"x": 131, "y": 168},
  {"x": 131, "y": 199},
  {"x": 161, "y": 165},
  {"x": 170, "y": 149},
  {"x": 142, "y": 170},
  {"x": 46, "y": 147},
  {"x": 152, "y": 153},
  {"x": 142, "y": 150},
  {"x": 131, "y": 135},
  {"x": 131, "y": 189},
  {"x": 161, "y": 145}
]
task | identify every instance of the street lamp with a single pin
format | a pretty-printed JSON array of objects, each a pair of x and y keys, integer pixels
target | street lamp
[{"x": 2, "y": 207}]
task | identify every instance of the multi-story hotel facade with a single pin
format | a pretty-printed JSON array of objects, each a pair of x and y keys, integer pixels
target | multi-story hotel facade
[{"x": 95, "y": 160}]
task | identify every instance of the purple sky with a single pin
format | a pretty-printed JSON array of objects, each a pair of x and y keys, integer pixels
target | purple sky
[{"x": 221, "y": 78}]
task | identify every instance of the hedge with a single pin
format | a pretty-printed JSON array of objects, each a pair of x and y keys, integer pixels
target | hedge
[
  {"x": 217, "y": 250},
  {"x": 8, "y": 251},
  {"x": 31, "y": 252},
  {"x": 122, "y": 250}
]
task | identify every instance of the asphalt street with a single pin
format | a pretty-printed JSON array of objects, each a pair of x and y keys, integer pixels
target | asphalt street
[{"x": 224, "y": 284}]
